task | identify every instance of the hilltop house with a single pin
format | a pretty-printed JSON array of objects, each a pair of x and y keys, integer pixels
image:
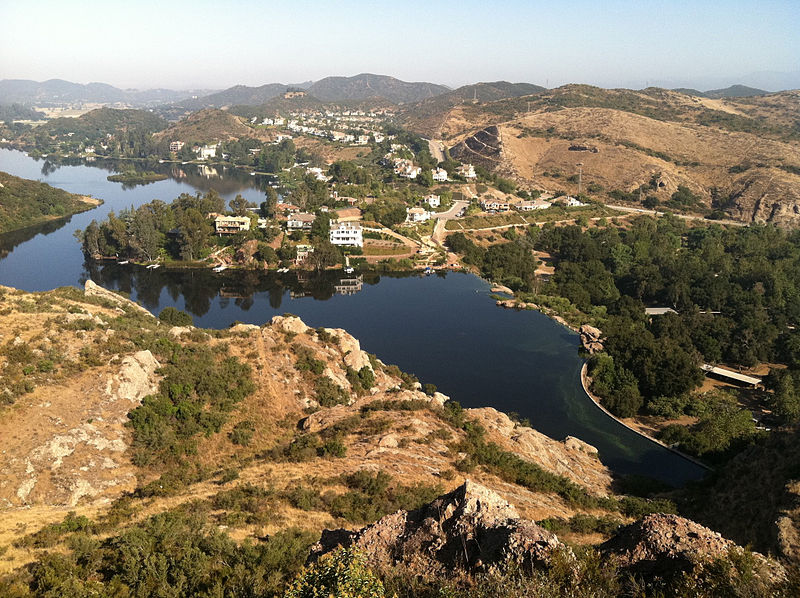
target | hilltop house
[
  {"x": 346, "y": 233},
  {"x": 439, "y": 175},
  {"x": 417, "y": 215},
  {"x": 571, "y": 202},
  {"x": 230, "y": 225}
]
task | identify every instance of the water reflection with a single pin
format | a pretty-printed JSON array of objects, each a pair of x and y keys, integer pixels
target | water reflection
[{"x": 200, "y": 288}]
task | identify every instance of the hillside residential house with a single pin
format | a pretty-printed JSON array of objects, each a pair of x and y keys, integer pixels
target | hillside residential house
[
  {"x": 176, "y": 146},
  {"x": 571, "y": 202},
  {"x": 530, "y": 206},
  {"x": 346, "y": 233},
  {"x": 467, "y": 171},
  {"x": 286, "y": 208},
  {"x": 405, "y": 168},
  {"x": 300, "y": 221},
  {"x": 303, "y": 251},
  {"x": 417, "y": 215},
  {"x": 433, "y": 201},
  {"x": 439, "y": 175},
  {"x": 230, "y": 225},
  {"x": 495, "y": 205}
]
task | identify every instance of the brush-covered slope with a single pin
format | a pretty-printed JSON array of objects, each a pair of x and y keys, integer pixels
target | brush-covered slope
[{"x": 25, "y": 203}]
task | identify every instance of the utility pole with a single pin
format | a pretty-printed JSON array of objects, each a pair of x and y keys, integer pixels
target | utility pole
[{"x": 580, "y": 177}]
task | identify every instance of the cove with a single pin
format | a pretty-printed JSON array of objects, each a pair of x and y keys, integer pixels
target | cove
[{"x": 444, "y": 328}]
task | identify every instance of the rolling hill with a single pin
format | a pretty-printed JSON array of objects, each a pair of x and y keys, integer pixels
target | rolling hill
[
  {"x": 206, "y": 125},
  {"x": 366, "y": 85},
  {"x": 734, "y": 91}
]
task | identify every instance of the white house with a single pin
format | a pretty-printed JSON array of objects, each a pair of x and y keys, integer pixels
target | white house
[
  {"x": 417, "y": 215},
  {"x": 346, "y": 233},
  {"x": 494, "y": 205},
  {"x": 230, "y": 225},
  {"x": 439, "y": 175},
  {"x": 530, "y": 206},
  {"x": 207, "y": 151},
  {"x": 176, "y": 146},
  {"x": 467, "y": 171},
  {"x": 300, "y": 221},
  {"x": 571, "y": 202},
  {"x": 433, "y": 201}
]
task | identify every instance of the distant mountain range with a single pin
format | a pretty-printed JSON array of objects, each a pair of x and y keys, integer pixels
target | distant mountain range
[
  {"x": 363, "y": 87},
  {"x": 59, "y": 92},
  {"x": 734, "y": 91}
]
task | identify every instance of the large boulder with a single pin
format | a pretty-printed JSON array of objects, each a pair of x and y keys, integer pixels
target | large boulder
[{"x": 469, "y": 528}]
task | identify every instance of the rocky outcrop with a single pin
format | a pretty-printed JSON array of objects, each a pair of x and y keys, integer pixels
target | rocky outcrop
[
  {"x": 469, "y": 528},
  {"x": 591, "y": 338},
  {"x": 662, "y": 544},
  {"x": 766, "y": 195}
]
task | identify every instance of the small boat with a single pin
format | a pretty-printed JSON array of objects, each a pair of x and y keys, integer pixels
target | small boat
[
  {"x": 123, "y": 262},
  {"x": 283, "y": 270},
  {"x": 349, "y": 270},
  {"x": 220, "y": 268},
  {"x": 252, "y": 174},
  {"x": 153, "y": 266},
  {"x": 161, "y": 161},
  {"x": 428, "y": 271}
]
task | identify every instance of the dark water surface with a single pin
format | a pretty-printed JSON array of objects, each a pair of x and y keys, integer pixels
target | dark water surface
[{"x": 444, "y": 329}]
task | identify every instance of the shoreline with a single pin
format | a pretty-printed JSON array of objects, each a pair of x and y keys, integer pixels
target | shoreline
[
  {"x": 584, "y": 383},
  {"x": 598, "y": 404}
]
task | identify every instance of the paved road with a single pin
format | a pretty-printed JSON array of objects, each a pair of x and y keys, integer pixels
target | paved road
[
  {"x": 439, "y": 231},
  {"x": 437, "y": 149}
]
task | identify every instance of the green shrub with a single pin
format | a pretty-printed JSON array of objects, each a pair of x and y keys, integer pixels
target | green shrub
[
  {"x": 242, "y": 433},
  {"x": 343, "y": 574},
  {"x": 175, "y": 317}
]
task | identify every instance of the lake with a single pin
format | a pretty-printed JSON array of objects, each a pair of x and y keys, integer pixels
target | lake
[{"x": 443, "y": 328}]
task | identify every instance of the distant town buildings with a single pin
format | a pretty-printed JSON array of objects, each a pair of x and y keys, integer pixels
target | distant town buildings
[{"x": 346, "y": 233}]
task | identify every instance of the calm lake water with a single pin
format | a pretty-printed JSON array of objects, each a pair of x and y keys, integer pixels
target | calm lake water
[{"x": 444, "y": 329}]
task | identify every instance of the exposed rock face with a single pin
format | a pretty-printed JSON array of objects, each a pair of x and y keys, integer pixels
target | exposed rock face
[
  {"x": 79, "y": 449},
  {"x": 245, "y": 253},
  {"x": 590, "y": 338},
  {"x": 291, "y": 324},
  {"x": 766, "y": 195},
  {"x": 469, "y": 528},
  {"x": 664, "y": 544}
]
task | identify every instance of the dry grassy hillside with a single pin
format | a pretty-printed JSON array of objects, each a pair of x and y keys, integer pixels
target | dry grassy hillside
[
  {"x": 75, "y": 365},
  {"x": 740, "y": 155}
]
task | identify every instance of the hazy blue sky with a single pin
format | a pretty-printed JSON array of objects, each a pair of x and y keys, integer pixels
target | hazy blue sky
[{"x": 181, "y": 44}]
